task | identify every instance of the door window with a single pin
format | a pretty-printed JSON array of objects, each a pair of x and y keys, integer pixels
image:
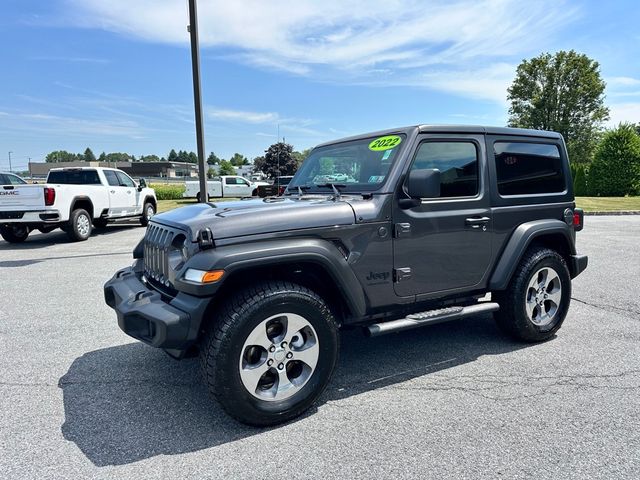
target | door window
[
  {"x": 528, "y": 168},
  {"x": 15, "y": 180},
  {"x": 231, "y": 180},
  {"x": 112, "y": 178},
  {"x": 458, "y": 165},
  {"x": 125, "y": 181}
]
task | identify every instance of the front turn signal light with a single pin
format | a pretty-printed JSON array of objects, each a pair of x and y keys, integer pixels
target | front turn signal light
[{"x": 203, "y": 276}]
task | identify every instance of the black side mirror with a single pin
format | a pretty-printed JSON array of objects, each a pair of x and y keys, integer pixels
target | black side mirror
[
  {"x": 142, "y": 183},
  {"x": 423, "y": 183}
]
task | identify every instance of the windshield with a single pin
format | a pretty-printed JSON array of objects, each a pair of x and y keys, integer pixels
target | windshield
[{"x": 359, "y": 165}]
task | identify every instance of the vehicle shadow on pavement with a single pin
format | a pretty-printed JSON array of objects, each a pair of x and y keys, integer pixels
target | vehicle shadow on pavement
[
  {"x": 42, "y": 240},
  {"x": 131, "y": 402}
]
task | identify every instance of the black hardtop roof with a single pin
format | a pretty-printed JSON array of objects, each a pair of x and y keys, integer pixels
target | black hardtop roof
[{"x": 522, "y": 132}]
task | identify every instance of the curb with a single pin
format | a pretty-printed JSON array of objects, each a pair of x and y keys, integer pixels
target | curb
[{"x": 621, "y": 212}]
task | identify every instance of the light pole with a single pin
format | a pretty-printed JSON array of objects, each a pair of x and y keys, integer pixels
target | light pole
[
  {"x": 197, "y": 97},
  {"x": 10, "y": 161}
]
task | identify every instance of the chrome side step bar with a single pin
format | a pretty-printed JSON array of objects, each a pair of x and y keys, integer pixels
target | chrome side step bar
[{"x": 430, "y": 317}]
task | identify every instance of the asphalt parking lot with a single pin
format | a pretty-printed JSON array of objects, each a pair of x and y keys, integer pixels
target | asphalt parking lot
[{"x": 80, "y": 399}]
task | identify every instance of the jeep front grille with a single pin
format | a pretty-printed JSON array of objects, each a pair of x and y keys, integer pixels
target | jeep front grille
[{"x": 157, "y": 241}]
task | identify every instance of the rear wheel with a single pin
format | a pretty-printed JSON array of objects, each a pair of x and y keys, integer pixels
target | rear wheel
[
  {"x": 270, "y": 353},
  {"x": 79, "y": 228},
  {"x": 536, "y": 302},
  {"x": 14, "y": 233}
]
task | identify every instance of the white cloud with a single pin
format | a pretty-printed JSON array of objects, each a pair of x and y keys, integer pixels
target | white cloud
[
  {"x": 242, "y": 116},
  {"x": 624, "y": 112},
  {"x": 623, "y": 81},
  {"x": 460, "y": 46}
]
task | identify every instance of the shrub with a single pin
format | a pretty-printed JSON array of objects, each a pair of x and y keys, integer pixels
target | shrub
[
  {"x": 615, "y": 170},
  {"x": 168, "y": 191},
  {"x": 580, "y": 181}
]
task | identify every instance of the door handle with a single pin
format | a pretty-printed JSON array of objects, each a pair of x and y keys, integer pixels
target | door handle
[
  {"x": 112, "y": 191},
  {"x": 477, "y": 222},
  {"x": 129, "y": 192}
]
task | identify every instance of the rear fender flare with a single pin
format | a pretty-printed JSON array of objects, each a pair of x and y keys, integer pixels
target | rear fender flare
[{"x": 518, "y": 244}]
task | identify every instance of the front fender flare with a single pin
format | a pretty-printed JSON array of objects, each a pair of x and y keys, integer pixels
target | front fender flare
[
  {"x": 234, "y": 258},
  {"x": 518, "y": 244}
]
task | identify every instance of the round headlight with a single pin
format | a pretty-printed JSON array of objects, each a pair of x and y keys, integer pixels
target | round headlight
[{"x": 178, "y": 252}]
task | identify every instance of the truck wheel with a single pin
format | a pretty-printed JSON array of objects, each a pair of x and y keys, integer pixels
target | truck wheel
[
  {"x": 79, "y": 225},
  {"x": 14, "y": 233},
  {"x": 270, "y": 353},
  {"x": 536, "y": 302},
  {"x": 254, "y": 193},
  {"x": 147, "y": 212}
]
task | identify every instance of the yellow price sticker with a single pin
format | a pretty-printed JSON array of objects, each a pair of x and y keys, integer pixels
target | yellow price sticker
[{"x": 385, "y": 143}]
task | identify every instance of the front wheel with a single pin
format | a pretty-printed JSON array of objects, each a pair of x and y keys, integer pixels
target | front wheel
[
  {"x": 14, "y": 233},
  {"x": 536, "y": 302},
  {"x": 148, "y": 211},
  {"x": 270, "y": 353},
  {"x": 79, "y": 228}
]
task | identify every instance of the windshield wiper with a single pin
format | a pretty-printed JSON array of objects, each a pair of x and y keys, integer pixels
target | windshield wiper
[{"x": 334, "y": 186}]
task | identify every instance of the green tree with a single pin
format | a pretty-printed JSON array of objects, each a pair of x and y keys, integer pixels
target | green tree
[
  {"x": 238, "y": 160},
  {"x": 62, "y": 156},
  {"x": 211, "y": 172},
  {"x": 301, "y": 156},
  {"x": 114, "y": 157},
  {"x": 564, "y": 93},
  {"x": 193, "y": 158},
  {"x": 149, "y": 158},
  {"x": 89, "y": 156},
  {"x": 580, "y": 181},
  {"x": 102, "y": 157},
  {"x": 278, "y": 161},
  {"x": 213, "y": 159},
  {"x": 226, "y": 168},
  {"x": 615, "y": 170},
  {"x": 173, "y": 156}
]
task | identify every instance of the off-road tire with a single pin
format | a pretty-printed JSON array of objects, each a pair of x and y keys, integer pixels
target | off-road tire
[
  {"x": 14, "y": 234},
  {"x": 222, "y": 345},
  {"x": 79, "y": 232},
  {"x": 512, "y": 317},
  {"x": 146, "y": 217}
]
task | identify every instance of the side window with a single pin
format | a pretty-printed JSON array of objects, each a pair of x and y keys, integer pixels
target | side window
[
  {"x": 15, "y": 180},
  {"x": 528, "y": 168},
  {"x": 3, "y": 179},
  {"x": 458, "y": 165},
  {"x": 231, "y": 181},
  {"x": 112, "y": 178},
  {"x": 125, "y": 180}
]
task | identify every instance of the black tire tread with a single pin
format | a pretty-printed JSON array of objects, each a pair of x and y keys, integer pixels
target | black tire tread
[
  {"x": 240, "y": 304},
  {"x": 508, "y": 317}
]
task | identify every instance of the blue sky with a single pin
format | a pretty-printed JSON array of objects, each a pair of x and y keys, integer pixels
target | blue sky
[{"x": 115, "y": 75}]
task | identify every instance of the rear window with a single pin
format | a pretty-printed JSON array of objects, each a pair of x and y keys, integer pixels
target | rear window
[
  {"x": 74, "y": 177},
  {"x": 528, "y": 168}
]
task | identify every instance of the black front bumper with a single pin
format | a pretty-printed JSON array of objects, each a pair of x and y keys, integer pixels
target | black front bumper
[{"x": 143, "y": 313}]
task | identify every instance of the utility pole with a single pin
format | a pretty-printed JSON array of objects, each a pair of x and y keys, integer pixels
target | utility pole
[
  {"x": 10, "y": 161},
  {"x": 197, "y": 98}
]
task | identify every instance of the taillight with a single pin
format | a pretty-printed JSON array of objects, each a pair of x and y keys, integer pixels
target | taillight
[
  {"x": 578, "y": 219},
  {"x": 49, "y": 196}
]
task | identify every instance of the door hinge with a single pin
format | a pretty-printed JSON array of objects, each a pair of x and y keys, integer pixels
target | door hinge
[
  {"x": 401, "y": 274},
  {"x": 402, "y": 230}
]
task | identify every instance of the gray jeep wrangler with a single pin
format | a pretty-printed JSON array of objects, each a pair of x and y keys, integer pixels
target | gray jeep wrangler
[{"x": 389, "y": 231}]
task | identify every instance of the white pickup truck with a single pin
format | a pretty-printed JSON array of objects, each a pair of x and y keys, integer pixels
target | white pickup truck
[
  {"x": 224, "y": 186},
  {"x": 73, "y": 199}
]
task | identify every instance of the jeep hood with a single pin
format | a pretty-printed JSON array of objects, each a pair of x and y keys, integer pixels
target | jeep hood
[{"x": 251, "y": 217}]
